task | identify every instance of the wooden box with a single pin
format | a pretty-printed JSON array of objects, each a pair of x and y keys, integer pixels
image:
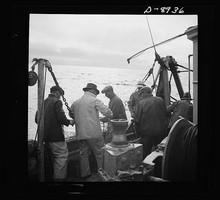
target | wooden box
[{"x": 122, "y": 158}]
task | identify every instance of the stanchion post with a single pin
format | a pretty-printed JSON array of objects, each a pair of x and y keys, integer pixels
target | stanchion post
[
  {"x": 166, "y": 90},
  {"x": 192, "y": 34},
  {"x": 41, "y": 83}
]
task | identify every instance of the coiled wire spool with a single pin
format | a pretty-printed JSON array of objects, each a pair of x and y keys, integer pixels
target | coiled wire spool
[
  {"x": 180, "y": 154},
  {"x": 191, "y": 145}
]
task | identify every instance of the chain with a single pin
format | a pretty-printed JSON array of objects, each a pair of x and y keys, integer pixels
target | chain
[
  {"x": 68, "y": 108},
  {"x": 48, "y": 65}
]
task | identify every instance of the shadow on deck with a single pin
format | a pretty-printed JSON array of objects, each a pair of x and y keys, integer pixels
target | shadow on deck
[{"x": 73, "y": 169}]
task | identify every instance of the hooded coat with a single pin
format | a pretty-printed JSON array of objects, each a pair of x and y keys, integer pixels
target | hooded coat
[
  {"x": 54, "y": 119},
  {"x": 151, "y": 117}
]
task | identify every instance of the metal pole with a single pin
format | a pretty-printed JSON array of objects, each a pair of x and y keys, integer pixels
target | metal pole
[
  {"x": 166, "y": 90},
  {"x": 177, "y": 81},
  {"x": 157, "y": 76},
  {"x": 41, "y": 83},
  {"x": 189, "y": 79},
  {"x": 192, "y": 34}
]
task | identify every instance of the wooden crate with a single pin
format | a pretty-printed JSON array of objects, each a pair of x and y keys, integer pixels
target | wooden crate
[{"x": 122, "y": 158}]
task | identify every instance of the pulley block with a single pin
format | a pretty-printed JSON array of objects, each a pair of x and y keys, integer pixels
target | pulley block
[{"x": 32, "y": 78}]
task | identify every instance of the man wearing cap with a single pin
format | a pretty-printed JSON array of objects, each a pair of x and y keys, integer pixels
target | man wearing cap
[
  {"x": 183, "y": 108},
  {"x": 88, "y": 129},
  {"x": 117, "y": 107},
  {"x": 115, "y": 104},
  {"x": 151, "y": 120},
  {"x": 134, "y": 98},
  {"x": 55, "y": 145}
]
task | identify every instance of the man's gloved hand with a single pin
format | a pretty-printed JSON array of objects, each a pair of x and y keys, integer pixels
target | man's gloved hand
[
  {"x": 104, "y": 119},
  {"x": 72, "y": 122},
  {"x": 71, "y": 115}
]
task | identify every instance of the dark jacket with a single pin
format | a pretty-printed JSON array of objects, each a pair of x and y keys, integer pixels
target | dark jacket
[
  {"x": 133, "y": 101},
  {"x": 151, "y": 117},
  {"x": 54, "y": 119},
  {"x": 117, "y": 107},
  {"x": 182, "y": 108}
]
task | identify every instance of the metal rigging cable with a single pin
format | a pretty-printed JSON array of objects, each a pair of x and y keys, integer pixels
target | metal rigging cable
[
  {"x": 151, "y": 69},
  {"x": 149, "y": 72},
  {"x": 163, "y": 42},
  {"x": 151, "y": 34}
]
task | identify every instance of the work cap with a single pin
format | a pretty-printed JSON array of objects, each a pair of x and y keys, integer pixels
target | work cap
[
  {"x": 146, "y": 90},
  {"x": 57, "y": 88},
  {"x": 140, "y": 84},
  {"x": 107, "y": 88},
  {"x": 91, "y": 86}
]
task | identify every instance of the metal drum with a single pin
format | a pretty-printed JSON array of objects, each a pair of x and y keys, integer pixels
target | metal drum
[{"x": 119, "y": 138}]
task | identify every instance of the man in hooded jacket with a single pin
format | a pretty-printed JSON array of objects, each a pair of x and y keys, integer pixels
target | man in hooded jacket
[
  {"x": 151, "y": 120},
  {"x": 56, "y": 150},
  {"x": 134, "y": 98}
]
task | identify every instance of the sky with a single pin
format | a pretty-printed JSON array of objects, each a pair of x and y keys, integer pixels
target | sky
[{"x": 107, "y": 40}]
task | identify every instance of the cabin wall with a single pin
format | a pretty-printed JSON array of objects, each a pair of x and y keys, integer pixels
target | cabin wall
[
  {"x": 192, "y": 34},
  {"x": 195, "y": 81}
]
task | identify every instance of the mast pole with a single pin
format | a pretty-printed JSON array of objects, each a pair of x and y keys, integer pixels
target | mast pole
[
  {"x": 166, "y": 90},
  {"x": 41, "y": 84},
  {"x": 163, "y": 71},
  {"x": 189, "y": 79},
  {"x": 157, "y": 76}
]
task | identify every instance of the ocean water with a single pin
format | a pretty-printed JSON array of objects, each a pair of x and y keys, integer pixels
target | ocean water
[{"x": 73, "y": 78}]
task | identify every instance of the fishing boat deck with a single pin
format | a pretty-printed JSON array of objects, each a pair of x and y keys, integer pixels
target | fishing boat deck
[
  {"x": 148, "y": 165},
  {"x": 92, "y": 178}
]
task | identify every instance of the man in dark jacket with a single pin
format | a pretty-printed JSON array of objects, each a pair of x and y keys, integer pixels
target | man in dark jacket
[
  {"x": 183, "y": 108},
  {"x": 134, "y": 98},
  {"x": 115, "y": 104},
  {"x": 117, "y": 107},
  {"x": 54, "y": 119},
  {"x": 151, "y": 119}
]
